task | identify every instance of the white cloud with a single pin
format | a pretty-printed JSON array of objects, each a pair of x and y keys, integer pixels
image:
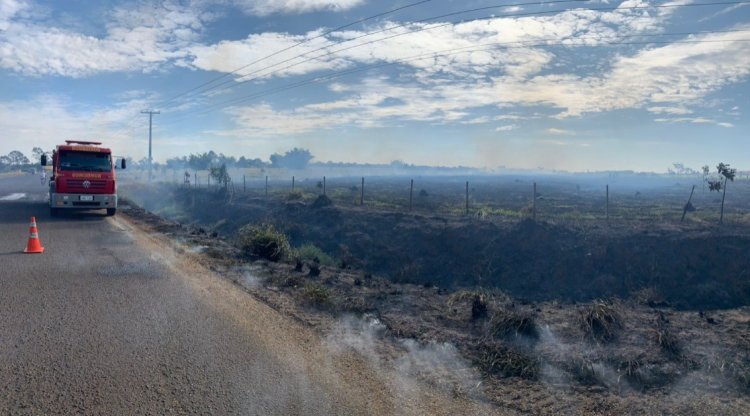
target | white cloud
[
  {"x": 659, "y": 78},
  {"x": 24, "y": 128},
  {"x": 9, "y": 9},
  {"x": 137, "y": 39},
  {"x": 227, "y": 56},
  {"x": 564, "y": 143},
  {"x": 502, "y": 44},
  {"x": 560, "y": 132},
  {"x": 510, "y": 117},
  {"x": 445, "y": 88},
  {"x": 669, "y": 110},
  {"x": 724, "y": 11},
  {"x": 266, "y": 7},
  {"x": 694, "y": 120},
  {"x": 478, "y": 120},
  {"x": 508, "y": 127}
]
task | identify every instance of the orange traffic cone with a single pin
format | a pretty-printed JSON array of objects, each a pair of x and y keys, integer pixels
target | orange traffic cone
[{"x": 34, "y": 245}]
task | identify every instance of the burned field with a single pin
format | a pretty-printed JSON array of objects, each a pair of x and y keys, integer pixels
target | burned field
[{"x": 566, "y": 314}]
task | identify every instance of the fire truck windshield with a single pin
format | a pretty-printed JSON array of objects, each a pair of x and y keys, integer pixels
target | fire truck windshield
[{"x": 85, "y": 161}]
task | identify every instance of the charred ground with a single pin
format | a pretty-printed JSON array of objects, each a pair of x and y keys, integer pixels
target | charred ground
[
  {"x": 520, "y": 299},
  {"x": 690, "y": 266}
]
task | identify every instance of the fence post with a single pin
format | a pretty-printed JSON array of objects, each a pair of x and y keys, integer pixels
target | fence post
[
  {"x": 362, "y": 192},
  {"x": 411, "y": 193},
  {"x": 292, "y": 183},
  {"x": 533, "y": 203},
  {"x": 606, "y": 209},
  {"x": 687, "y": 205},
  {"x": 324, "y": 185},
  {"x": 208, "y": 179},
  {"x": 467, "y": 197},
  {"x": 244, "y": 184},
  {"x": 195, "y": 181},
  {"x": 266, "y": 185}
]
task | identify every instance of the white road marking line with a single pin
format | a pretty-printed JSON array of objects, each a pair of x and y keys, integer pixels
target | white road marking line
[{"x": 13, "y": 197}]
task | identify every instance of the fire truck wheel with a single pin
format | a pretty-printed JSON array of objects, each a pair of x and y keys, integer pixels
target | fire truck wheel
[
  {"x": 111, "y": 211},
  {"x": 55, "y": 212}
]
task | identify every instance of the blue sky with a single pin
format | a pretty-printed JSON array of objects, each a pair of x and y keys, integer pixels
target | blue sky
[{"x": 586, "y": 85}]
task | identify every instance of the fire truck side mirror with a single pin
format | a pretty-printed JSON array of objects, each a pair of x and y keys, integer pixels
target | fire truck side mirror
[
  {"x": 123, "y": 165},
  {"x": 44, "y": 160}
]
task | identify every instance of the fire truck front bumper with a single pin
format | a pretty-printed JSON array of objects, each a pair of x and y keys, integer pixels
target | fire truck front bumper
[{"x": 83, "y": 201}]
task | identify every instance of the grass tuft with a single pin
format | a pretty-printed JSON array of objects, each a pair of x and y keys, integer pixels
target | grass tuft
[
  {"x": 504, "y": 323},
  {"x": 479, "y": 300},
  {"x": 311, "y": 253},
  {"x": 666, "y": 340},
  {"x": 600, "y": 321},
  {"x": 317, "y": 294},
  {"x": 497, "y": 359},
  {"x": 263, "y": 241}
]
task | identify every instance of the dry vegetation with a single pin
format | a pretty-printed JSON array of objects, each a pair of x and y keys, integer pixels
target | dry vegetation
[{"x": 600, "y": 321}]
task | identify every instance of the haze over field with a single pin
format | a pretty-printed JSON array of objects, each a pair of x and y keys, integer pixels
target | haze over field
[{"x": 575, "y": 85}]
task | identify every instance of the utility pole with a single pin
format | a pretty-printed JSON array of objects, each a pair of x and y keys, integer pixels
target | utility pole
[{"x": 150, "y": 122}]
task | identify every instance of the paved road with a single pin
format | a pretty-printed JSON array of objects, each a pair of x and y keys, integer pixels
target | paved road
[
  {"x": 104, "y": 323},
  {"x": 110, "y": 320}
]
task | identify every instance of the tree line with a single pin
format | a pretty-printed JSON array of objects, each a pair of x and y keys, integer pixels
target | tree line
[
  {"x": 293, "y": 159},
  {"x": 16, "y": 160}
]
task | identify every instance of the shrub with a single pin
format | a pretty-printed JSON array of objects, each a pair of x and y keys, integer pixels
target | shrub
[
  {"x": 317, "y": 294},
  {"x": 649, "y": 296},
  {"x": 284, "y": 280},
  {"x": 497, "y": 359},
  {"x": 478, "y": 298},
  {"x": 264, "y": 241},
  {"x": 322, "y": 201},
  {"x": 513, "y": 323},
  {"x": 600, "y": 321},
  {"x": 666, "y": 340},
  {"x": 312, "y": 253},
  {"x": 295, "y": 195},
  {"x": 463, "y": 296},
  {"x": 582, "y": 371}
]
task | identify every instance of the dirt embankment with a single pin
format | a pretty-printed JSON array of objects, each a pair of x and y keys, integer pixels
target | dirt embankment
[{"x": 689, "y": 268}]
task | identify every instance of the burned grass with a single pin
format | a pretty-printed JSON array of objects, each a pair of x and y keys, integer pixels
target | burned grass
[
  {"x": 506, "y": 323},
  {"x": 497, "y": 359},
  {"x": 627, "y": 368},
  {"x": 478, "y": 301},
  {"x": 600, "y": 321}
]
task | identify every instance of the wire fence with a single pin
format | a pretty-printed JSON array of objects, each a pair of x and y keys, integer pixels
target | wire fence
[{"x": 547, "y": 198}]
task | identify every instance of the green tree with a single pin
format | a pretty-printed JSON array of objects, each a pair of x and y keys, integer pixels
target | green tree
[
  {"x": 726, "y": 174},
  {"x": 36, "y": 154},
  {"x": 220, "y": 174},
  {"x": 18, "y": 159},
  {"x": 293, "y": 159},
  {"x": 706, "y": 170}
]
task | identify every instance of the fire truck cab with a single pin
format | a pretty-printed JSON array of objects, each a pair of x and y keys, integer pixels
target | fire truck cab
[{"x": 83, "y": 177}]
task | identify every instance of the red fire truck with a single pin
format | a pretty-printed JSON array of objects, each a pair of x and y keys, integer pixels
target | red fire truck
[{"x": 83, "y": 177}]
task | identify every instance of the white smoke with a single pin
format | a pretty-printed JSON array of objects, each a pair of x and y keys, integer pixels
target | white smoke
[{"x": 438, "y": 364}]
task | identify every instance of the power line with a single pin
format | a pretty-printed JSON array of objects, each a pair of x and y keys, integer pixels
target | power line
[
  {"x": 521, "y": 14},
  {"x": 455, "y": 51},
  {"x": 356, "y": 22},
  {"x": 456, "y": 13}
]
